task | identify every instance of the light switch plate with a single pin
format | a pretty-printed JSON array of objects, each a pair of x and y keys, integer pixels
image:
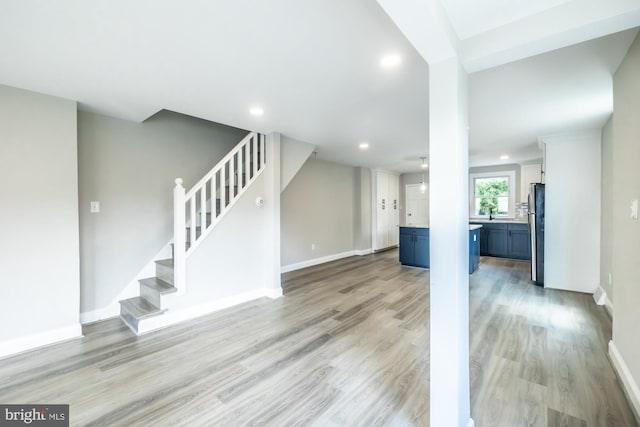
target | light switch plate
[
  {"x": 634, "y": 209},
  {"x": 95, "y": 207}
]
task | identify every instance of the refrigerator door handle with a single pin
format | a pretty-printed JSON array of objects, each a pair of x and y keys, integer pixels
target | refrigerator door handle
[{"x": 532, "y": 229}]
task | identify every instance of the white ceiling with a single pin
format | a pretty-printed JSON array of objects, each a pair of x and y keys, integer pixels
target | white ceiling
[{"x": 313, "y": 66}]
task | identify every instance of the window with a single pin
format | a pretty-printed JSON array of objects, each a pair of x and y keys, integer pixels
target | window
[{"x": 492, "y": 193}]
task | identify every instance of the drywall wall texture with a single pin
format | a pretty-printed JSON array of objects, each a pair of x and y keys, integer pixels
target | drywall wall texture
[
  {"x": 362, "y": 210},
  {"x": 606, "y": 202},
  {"x": 626, "y": 231},
  {"x": 317, "y": 209},
  {"x": 235, "y": 259},
  {"x": 293, "y": 154},
  {"x": 572, "y": 220},
  {"x": 130, "y": 169},
  {"x": 408, "y": 179},
  {"x": 38, "y": 215}
]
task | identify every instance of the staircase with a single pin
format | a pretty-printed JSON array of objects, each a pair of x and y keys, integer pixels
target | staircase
[{"x": 196, "y": 213}]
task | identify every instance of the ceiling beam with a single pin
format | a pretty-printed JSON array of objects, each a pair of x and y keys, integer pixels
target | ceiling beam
[
  {"x": 568, "y": 24},
  {"x": 425, "y": 24}
]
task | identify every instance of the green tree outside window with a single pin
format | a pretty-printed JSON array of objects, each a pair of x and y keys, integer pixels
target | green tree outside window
[{"x": 492, "y": 196}]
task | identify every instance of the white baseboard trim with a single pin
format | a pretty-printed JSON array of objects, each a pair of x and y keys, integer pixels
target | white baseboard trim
[
  {"x": 608, "y": 305},
  {"x": 172, "y": 317},
  {"x": 601, "y": 298},
  {"x": 316, "y": 261},
  {"x": 629, "y": 385},
  {"x": 30, "y": 342},
  {"x": 112, "y": 310},
  {"x": 362, "y": 252}
]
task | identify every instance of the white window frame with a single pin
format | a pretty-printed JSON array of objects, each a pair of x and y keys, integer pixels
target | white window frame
[{"x": 511, "y": 175}]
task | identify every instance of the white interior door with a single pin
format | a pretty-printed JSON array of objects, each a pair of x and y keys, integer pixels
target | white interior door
[{"x": 417, "y": 202}]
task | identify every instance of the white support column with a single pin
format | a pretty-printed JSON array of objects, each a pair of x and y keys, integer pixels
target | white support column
[{"x": 449, "y": 244}]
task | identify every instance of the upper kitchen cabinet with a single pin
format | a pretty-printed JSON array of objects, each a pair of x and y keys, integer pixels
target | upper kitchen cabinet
[
  {"x": 530, "y": 174},
  {"x": 386, "y": 191}
]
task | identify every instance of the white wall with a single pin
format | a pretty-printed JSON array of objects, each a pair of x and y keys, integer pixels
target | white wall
[
  {"x": 318, "y": 208},
  {"x": 625, "y": 346},
  {"x": 606, "y": 221},
  {"x": 235, "y": 258},
  {"x": 39, "y": 268},
  {"x": 130, "y": 168},
  {"x": 572, "y": 204}
]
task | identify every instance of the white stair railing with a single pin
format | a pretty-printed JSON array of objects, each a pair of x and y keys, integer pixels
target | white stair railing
[{"x": 197, "y": 211}]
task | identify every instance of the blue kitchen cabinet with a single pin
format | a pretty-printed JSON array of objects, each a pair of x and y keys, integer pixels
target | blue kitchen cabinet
[
  {"x": 414, "y": 246},
  {"x": 407, "y": 248},
  {"x": 422, "y": 249},
  {"x": 505, "y": 240},
  {"x": 497, "y": 240},
  {"x": 519, "y": 244},
  {"x": 474, "y": 249}
]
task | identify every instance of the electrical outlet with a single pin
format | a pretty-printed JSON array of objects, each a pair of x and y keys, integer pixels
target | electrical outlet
[
  {"x": 94, "y": 207},
  {"x": 313, "y": 246},
  {"x": 634, "y": 209}
]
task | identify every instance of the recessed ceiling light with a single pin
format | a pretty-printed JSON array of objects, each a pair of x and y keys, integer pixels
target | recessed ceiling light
[
  {"x": 364, "y": 145},
  {"x": 256, "y": 111},
  {"x": 504, "y": 157},
  {"x": 390, "y": 61}
]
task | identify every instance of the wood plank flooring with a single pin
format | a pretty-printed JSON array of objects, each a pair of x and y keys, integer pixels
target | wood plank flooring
[{"x": 346, "y": 346}]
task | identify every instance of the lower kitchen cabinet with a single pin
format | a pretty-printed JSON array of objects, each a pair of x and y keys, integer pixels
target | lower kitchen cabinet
[
  {"x": 414, "y": 246},
  {"x": 505, "y": 240},
  {"x": 474, "y": 249},
  {"x": 519, "y": 241},
  {"x": 497, "y": 240}
]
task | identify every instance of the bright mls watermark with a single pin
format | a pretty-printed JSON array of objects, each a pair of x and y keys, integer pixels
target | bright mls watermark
[{"x": 34, "y": 415}]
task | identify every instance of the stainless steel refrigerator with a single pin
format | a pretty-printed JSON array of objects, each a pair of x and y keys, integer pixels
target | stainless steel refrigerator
[{"x": 536, "y": 230}]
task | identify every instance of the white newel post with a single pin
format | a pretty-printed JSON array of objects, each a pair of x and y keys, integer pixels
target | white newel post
[{"x": 179, "y": 238}]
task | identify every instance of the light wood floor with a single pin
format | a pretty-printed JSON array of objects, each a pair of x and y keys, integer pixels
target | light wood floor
[{"x": 346, "y": 346}]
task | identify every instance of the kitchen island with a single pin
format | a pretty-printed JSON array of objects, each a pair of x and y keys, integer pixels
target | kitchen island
[{"x": 414, "y": 246}]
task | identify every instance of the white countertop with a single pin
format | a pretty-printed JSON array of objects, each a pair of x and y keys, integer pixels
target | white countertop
[
  {"x": 471, "y": 226},
  {"x": 500, "y": 220}
]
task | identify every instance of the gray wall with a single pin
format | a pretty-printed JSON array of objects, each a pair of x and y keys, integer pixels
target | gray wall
[
  {"x": 362, "y": 209},
  {"x": 317, "y": 207},
  {"x": 606, "y": 203},
  {"x": 293, "y": 154},
  {"x": 406, "y": 179},
  {"x": 130, "y": 168},
  {"x": 39, "y": 214},
  {"x": 626, "y": 231}
]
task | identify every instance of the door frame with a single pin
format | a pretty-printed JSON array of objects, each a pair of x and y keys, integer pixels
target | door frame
[{"x": 406, "y": 204}]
